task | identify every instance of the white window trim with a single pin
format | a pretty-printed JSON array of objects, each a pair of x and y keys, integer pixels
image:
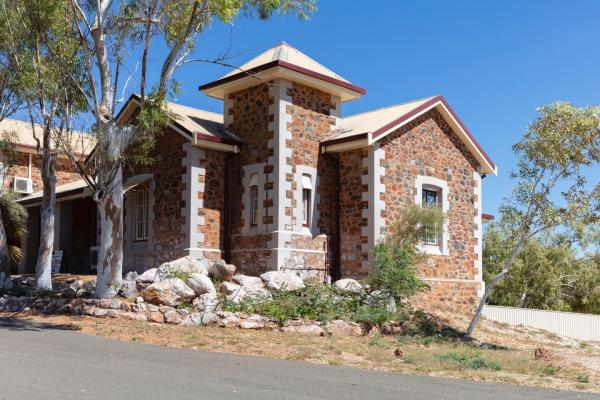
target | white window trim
[
  {"x": 312, "y": 228},
  {"x": 429, "y": 182},
  {"x": 250, "y": 170}
]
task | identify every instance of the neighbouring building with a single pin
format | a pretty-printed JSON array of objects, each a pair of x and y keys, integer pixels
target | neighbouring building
[{"x": 282, "y": 180}]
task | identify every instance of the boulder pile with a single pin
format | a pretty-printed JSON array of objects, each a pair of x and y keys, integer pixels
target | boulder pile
[{"x": 183, "y": 292}]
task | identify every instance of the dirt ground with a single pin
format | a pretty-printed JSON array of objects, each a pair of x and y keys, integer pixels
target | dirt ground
[{"x": 501, "y": 353}]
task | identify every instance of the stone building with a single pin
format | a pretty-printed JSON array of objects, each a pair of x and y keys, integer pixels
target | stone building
[{"x": 281, "y": 180}]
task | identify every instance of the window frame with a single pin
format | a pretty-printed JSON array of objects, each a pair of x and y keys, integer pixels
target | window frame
[
  {"x": 437, "y": 194},
  {"x": 254, "y": 200},
  {"x": 423, "y": 182},
  {"x": 141, "y": 214}
]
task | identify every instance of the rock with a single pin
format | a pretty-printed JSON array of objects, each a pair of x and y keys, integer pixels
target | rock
[
  {"x": 152, "y": 308},
  {"x": 182, "y": 267},
  {"x": 207, "y": 302},
  {"x": 100, "y": 312},
  {"x": 147, "y": 277},
  {"x": 340, "y": 327},
  {"x": 252, "y": 282},
  {"x": 135, "y": 316},
  {"x": 194, "y": 319},
  {"x": 382, "y": 298},
  {"x": 165, "y": 309},
  {"x": 128, "y": 289},
  {"x": 114, "y": 313},
  {"x": 125, "y": 306},
  {"x": 309, "y": 329},
  {"x": 209, "y": 318},
  {"x": 172, "y": 317},
  {"x": 254, "y": 321},
  {"x": 349, "y": 286},
  {"x": 170, "y": 292},
  {"x": 138, "y": 307},
  {"x": 282, "y": 281},
  {"x": 222, "y": 271},
  {"x": 156, "y": 316},
  {"x": 230, "y": 288},
  {"x": 183, "y": 313},
  {"x": 200, "y": 284},
  {"x": 231, "y": 321},
  {"x": 244, "y": 293},
  {"x": 89, "y": 310},
  {"x": 131, "y": 276},
  {"x": 139, "y": 299}
]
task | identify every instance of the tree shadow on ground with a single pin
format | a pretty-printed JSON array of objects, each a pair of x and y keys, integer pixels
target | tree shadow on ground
[{"x": 18, "y": 324}]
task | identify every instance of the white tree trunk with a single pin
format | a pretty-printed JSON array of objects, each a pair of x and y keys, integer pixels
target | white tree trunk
[
  {"x": 5, "y": 282},
  {"x": 43, "y": 267},
  {"x": 110, "y": 246}
]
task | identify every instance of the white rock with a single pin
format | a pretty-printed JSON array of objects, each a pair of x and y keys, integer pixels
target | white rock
[
  {"x": 230, "y": 288},
  {"x": 200, "y": 284},
  {"x": 128, "y": 289},
  {"x": 182, "y": 266},
  {"x": 245, "y": 293},
  {"x": 231, "y": 321},
  {"x": 349, "y": 285},
  {"x": 131, "y": 276},
  {"x": 310, "y": 329},
  {"x": 148, "y": 276},
  {"x": 207, "y": 302},
  {"x": 283, "y": 281},
  {"x": 222, "y": 271},
  {"x": 172, "y": 317},
  {"x": 252, "y": 282},
  {"x": 209, "y": 318},
  {"x": 253, "y": 322},
  {"x": 170, "y": 292},
  {"x": 192, "y": 320}
]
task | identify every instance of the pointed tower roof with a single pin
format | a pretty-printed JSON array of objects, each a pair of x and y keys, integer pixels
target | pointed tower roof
[{"x": 283, "y": 61}]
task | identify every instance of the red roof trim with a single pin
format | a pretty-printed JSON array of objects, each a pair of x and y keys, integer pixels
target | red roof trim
[
  {"x": 489, "y": 217},
  {"x": 211, "y": 138},
  {"x": 424, "y": 106},
  {"x": 287, "y": 65}
]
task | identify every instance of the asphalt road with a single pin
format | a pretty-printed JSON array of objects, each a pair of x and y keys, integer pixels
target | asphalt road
[{"x": 39, "y": 361}]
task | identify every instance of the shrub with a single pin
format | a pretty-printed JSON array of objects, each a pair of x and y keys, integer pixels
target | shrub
[
  {"x": 470, "y": 359},
  {"x": 372, "y": 315},
  {"x": 395, "y": 269},
  {"x": 396, "y": 257}
]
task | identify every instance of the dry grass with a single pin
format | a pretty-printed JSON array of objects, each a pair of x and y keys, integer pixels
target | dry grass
[{"x": 569, "y": 370}]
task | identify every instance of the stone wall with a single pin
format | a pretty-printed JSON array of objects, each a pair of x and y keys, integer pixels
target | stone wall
[
  {"x": 212, "y": 213},
  {"x": 65, "y": 172},
  {"x": 166, "y": 239},
  {"x": 428, "y": 147},
  {"x": 249, "y": 113},
  {"x": 352, "y": 221}
]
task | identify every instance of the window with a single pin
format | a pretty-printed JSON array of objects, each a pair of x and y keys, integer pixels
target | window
[
  {"x": 141, "y": 214},
  {"x": 431, "y": 198},
  {"x": 254, "y": 199},
  {"x": 306, "y": 200}
]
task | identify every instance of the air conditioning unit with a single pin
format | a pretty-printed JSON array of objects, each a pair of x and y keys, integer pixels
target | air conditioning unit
[{"x": 23, "y": 185}]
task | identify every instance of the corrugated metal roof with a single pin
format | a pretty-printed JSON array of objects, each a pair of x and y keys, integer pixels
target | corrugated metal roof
[
  {"x": 370, "y": 121},
  {"x": 82, "y": 143},
  {"x": 287, "y": 53},
  {"x": 198, "y": 121},
  {"x": 79, "y": 184}
]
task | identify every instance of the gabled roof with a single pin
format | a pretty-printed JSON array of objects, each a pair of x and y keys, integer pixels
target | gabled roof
[
  {"x": 285, "y": 61},
  {"x": 201, "y": 127},
  {"x": 372, "y": 126},
  {"x": 82, "y": 143}
]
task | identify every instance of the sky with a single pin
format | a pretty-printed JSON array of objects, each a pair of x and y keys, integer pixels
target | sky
[{"x": 493, "y": 61}]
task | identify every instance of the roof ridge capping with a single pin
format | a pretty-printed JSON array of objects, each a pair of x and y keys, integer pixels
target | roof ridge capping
[{"x": 287, "y": 62}]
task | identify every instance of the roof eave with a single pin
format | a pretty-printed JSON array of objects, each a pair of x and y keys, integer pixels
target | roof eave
[{"x": 281, "y": 69}]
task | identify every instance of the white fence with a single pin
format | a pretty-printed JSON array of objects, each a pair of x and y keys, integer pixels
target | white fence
[{"x": 578, "y": 326}]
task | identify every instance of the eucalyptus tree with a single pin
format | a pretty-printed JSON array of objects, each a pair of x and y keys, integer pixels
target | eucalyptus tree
[
  {"x": 43, "y": 51},
  {"x": 112, "y": 31},
  {"x": 558, "y": 149},
  {"x": 9, "y": 104}
]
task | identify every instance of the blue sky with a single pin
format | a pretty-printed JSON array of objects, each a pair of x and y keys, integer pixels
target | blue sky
[{"x": 494, "y": 61}]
